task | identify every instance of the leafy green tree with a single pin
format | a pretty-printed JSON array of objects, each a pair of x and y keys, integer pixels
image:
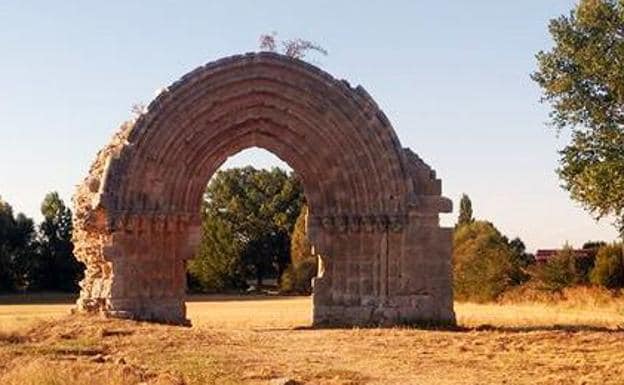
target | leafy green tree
[
  {"x": 6, "y": 247},
  {"x": 218, "y": 266},
  {"x": 267, "y": 255},
  {"x": 484, "y": 265},
  {"x": 255, "y": 212},
  {"x": 609, "y": 267},
  {"x": 298, "y": 276},
  {"x": 17, "y": 249},
  {"x": 521, "y": 260},
  {"x": 582, "y": 77},
  {"x": 25, "y": 253},
  {"x": 57, "y": 267},
  {"x": 465, "y": 211}
]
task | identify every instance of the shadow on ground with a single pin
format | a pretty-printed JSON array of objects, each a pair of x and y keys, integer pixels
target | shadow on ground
[
  {"x": 480, "y": 328},
  {"x": 238, "y": 297},
  {"x": 43, "y": 298}
]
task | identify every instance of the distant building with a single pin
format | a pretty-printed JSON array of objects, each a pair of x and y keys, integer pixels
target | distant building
[{"x": 544, "y": 255}]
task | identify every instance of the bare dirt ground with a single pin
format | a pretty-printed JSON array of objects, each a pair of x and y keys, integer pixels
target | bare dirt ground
[{"x": 256, "y": 341}]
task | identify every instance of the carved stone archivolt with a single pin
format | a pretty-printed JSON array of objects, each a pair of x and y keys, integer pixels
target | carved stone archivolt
[{"x": 374, "y": 206}]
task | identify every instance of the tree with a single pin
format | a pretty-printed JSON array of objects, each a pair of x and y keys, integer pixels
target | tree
[
  {"x": 254, "y": 212},
  {"x": 267, "y": 255},
  {"x": 522, "y": 260},
  {"x": 582, "y": 77},
  {"x": 294, "y": 48},
  {"x": 6, "y": 247},
  {"x": 218, "y": 266},
  {"x": 57, "y": 267},
  {"x": 609, "y": 267},
  {"x": 465, "y": 211},
  {"x": 17, "y": 249},
  {"x": 298, "y": 276},
  {"x": 484, "y": 265},
  {"x": 24, "y": 253},
  {"x": 300, "y": 246}
]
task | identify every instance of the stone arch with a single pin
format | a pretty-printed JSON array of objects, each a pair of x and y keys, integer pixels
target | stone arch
[{"x": 374, "y": 206}]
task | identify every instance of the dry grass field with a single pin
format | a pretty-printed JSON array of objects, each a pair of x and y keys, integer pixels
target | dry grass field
[{"x": 256, "y": 341}]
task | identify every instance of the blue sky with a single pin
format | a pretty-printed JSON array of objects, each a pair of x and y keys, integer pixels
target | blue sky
[{"x": 453, "y": 76}]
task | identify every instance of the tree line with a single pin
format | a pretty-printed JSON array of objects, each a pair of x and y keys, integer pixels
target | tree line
[
  {"x": 486, "y": 264},
  {"x": 38, "y": 257},
  {"x": 254, "y": 228}
]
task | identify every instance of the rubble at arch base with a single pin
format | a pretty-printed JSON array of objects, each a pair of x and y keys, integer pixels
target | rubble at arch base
[{"x": 374, "y": 206}]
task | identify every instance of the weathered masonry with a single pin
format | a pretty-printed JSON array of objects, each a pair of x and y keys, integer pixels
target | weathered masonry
[{"x": 374, "y": 205}]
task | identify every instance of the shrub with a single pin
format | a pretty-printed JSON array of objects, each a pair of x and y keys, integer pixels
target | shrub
[
  {"x": 297, "y": 279},
  {"x": 573, "y": 296},
  {"x": 609, "y": 267},
  {"x": 300, "y": 247},
  {"x": 563, "y": 270}
]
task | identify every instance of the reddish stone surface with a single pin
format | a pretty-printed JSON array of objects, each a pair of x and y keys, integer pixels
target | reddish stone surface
[{"x": 374, "y": 206}]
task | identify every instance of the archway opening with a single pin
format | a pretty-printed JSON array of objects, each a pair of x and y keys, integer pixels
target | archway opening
[{"x": 254, "y": 264}]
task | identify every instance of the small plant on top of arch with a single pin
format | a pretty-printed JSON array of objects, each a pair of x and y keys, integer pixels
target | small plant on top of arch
[{"x": 294, "y": 48}]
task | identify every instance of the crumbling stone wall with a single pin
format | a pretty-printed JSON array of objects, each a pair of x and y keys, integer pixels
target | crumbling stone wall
[
  {"x": 91, "y": 233},
  {"x": 374, "y": 206}
]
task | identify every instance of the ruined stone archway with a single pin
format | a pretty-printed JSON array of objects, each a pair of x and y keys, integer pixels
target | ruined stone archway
[{"x": 374, "y": 206}]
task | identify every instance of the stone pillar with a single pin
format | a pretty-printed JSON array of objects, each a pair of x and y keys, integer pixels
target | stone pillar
[
  {"x": 423, "y": 285},
  {"x": 382, "y": 270},
  {"x": 147, "y": 254}
]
